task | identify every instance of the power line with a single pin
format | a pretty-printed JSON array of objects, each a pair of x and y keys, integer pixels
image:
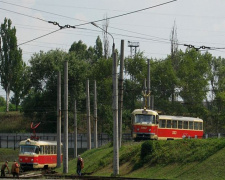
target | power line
[
  {"x": 132, "y": 12},
  {"x": 137, "y": 33},
  {"x": 41, "y": 11},
  {"x": 39, "y": 37},
  {"x": 24, "y": 14},
  {"x": 69, "y": 26},
  {"x": 157, "y": 38}
]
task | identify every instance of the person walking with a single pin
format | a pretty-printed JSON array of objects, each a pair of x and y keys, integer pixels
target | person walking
[
  {"x": 80, "y": 165},
  {"x": 4, "y": 166},
  {"x": 15, "y": 169}
]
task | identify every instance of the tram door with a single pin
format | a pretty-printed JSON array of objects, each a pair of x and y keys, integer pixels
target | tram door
[{"x": 155, "y": 128}]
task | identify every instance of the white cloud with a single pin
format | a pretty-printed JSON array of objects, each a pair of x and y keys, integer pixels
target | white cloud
[
  {"x": 28, "y": 3},
  {"x": 81, "y": 17},
  {"x": 219, "y": 26}
]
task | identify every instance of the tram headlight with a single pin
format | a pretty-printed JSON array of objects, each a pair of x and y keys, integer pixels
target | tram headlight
[
  {"x": 32, "y": 160},
  {"x": 149, "y": 130},
  {"x": 137, "y": 129}
]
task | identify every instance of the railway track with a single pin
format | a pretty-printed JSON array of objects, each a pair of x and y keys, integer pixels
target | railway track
[
  {"x": 57, "y": 176},
  {"x": 53, "y": 175},
  {"x": 30, "y": 175}
]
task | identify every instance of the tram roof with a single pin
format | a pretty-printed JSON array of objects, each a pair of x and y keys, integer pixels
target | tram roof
[
  {"x": 181, "y": 118},
  {"x": 144, "y": 111},
  {"x": 37, "y": 143}
]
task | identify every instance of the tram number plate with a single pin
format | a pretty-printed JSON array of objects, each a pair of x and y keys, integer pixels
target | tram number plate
[{"x": 174, "y": 132}]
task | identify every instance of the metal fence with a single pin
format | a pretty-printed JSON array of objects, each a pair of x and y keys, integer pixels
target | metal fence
[{"x": 11, "y": 140}]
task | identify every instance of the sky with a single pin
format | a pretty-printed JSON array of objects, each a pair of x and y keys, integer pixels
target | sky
[{"x": 198, "y": 23}]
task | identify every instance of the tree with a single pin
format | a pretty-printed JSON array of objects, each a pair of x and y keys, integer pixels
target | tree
[
  {"x": 41, "y": 103},
  {"x": 21, "y": 83},
  {"x": 10, "y": 57},
  {"x": 98, "y": 48},
  {"x": 193, "y": 75},
  {"x": 104, "y": 89},
  {"x": 80, "y": 49},
  {"x": 137, "y": 69},
  {"x": 2, "y": 101},
  {"x": 163, "y": 81}
]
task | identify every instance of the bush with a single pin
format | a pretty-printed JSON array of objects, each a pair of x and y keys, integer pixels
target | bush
[{"x": 146, "y": 149}]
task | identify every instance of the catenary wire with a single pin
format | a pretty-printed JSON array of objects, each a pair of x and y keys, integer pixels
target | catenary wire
[
  {"x": 66, "y": 26},
  {"x": 24, "y": 14},
  {"x": 42, "y": 11},
  {"x": 132, "y": 12},
  {"x": 40, "y": 37}
]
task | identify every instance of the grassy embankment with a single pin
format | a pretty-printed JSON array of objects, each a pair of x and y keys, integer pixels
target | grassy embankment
[
  {"x": 8, "y": 155},
  {"x": 179, "y": 159},
  {"x": 14, "y": 122}
]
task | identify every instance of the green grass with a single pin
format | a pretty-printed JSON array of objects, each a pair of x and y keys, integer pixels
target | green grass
[
  {"x": 8, "y": 154},
  {"x": 179, "y": 159},
  {"x": 13, "y": 122}
]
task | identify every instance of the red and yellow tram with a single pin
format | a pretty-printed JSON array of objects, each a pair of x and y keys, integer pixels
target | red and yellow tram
[
  {"x": 147, "y": 124},
  {"x": 35, "y": 154}
]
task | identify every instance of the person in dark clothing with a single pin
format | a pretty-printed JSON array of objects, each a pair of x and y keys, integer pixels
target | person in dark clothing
[
  {"x": 15, "y": 169},
  {"x": 4, "y": 166},
  {"x": 79, "y": 165}
]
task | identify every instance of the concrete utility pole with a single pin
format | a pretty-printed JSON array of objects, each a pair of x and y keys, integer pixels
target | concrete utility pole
[
  {"x": 95, "y": 117},
  {"x": 152, "y": 102},
  {"x": 75, "y": 129},
  {"x": 148, "y": 85},
  {"x": 59, "y": 120},
  {"x": 144, "y": 92},
  {"x": 115, "y": 118},
  {"x": 120, "y": 110},
  {"x": 65, "y": 144},
  {"x": 115, "y": 108},
  {"x": 88, "y": 116}
]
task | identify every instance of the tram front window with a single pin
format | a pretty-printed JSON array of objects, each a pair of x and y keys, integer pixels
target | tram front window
[
  {"x": 24, "y": 149},
  {"x": 145, "y": 119}
]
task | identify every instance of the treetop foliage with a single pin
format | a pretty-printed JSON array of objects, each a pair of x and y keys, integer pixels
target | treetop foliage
[{"x": 188, "y": 83}]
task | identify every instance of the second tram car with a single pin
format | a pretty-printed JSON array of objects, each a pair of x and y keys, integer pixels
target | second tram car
[
  {"x": 147, "y": 124},
  {"x": 38, "y": 154}
]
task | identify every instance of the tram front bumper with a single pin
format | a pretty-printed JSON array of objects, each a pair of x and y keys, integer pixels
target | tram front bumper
[{"x": 144, "y": 136}]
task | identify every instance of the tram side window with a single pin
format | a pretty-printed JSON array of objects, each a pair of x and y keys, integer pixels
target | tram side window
[
  {"x": 153, "y": 120},
  {"x": 54, "y": 150},
  {"x": 41, "y": 149},
  {"x": 185, "y": 125},
  {"x": 168, "y": 125},
  {"x": 180, "y": 125},
  {"x": 162, "y": 123},
  {"x": 37, "y": 150},
  {"x": 47, "y": 149},
  {"x": 196, "y": 125},
  {"x": 174, "y": 124},
  {"x": 200, "y": 126},
  {"x": 190, "y": 125}
]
